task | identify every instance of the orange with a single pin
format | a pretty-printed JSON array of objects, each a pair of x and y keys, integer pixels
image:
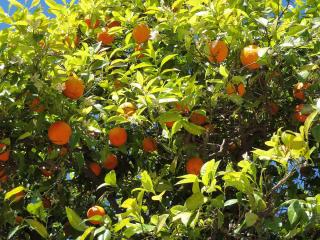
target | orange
[
  {"x": 74, "y": 88},
  {"x": 141, "y": 33},
  {"x": 194, "y": 165},
  {"x": 249, "y": 57},
  {"x": 45, "y": 172},
  {"x": 59, "y": 133},
  {"x": 46, "y": 202},
  {"x": 95, "y": 211},
  {"x": 95, "y": 168},
  {"x": 105, "y": 38},
  {"x": 182, "y": 108},
  {"x": 230, "y": 89},
  {"x": 298, "y": 115},
  {"x": 42, "y": 43},
  {"x": 19, "y": 196},
  {"x": 273, "y": 108},
  {"x": 241, "y": 89},
  {"x": 36, "y": 106},
  {"x": 89, "y": 25},
  {"x": 114, "y": 24},
  {"x": 298, "y": 91},
  {"x": 169, "y": 124},
  {"x": 198, "y": 118},
  {"x": 149, "y": 144},
  {"x": 76, "y": 41},
  {"x": 218, "y": 51},
  {"x": 19, "y": 219},
  {"x": 128, "y": 108},
  {"x": 111, "y": 162},
  {"x": 118, "y": 136},
  {"x": 4, "y": 156},
  {"x": 4, "y": 178},
  {"x": 117, "y": 84}
]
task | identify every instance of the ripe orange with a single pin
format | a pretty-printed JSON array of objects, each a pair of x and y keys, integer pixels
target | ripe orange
[
  {"x": 149, "y": 144},
  {"x": 128, "y": 108},
  {"x": 114, "y": 24},
  {"x": 105, "y": 38},
  {"x": 4, "y": 156},
  {"x": 36, "y": 106},
  {"x": 230, "y": 89},
  {"x": 198, "y": 118},
  {"x": 218, "y": 51},
  {"x": 111, "y": 162},
  {"x": 95, "y": 168},
  {"x": 182, "y": 108},
  {"x": 169, "y": 124},
  {"x": 249, "y": 57},
  {"x": 89, "y": 25},
  {"x": 74, "y": 88},
  {"x": 95, "y": 211},
  {"x": 298, "y": 91},
  {"x": 19, "y": 219},
  {"x": 298, "y": 115},
  {"x": 194, "y": 165},
  {"x": 141, "y": 33},
  {"x": 241, "y": 89},
  {"x": 59, "y": 133},
  {"x": 118, "y": 136}
]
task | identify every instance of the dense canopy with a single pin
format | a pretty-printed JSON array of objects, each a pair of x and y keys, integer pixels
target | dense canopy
[{"x": 187, "y": 119}]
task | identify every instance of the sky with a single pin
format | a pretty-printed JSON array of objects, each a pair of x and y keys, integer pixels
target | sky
[{"x": 4, "y": 4}]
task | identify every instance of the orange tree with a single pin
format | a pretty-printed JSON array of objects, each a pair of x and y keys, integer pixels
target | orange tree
[{"x": 160, "y": 120}]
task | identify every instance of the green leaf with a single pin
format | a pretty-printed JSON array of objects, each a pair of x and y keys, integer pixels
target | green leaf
[
  {"x": 176, "y": 127},
  {"x": 169, "y": 117},
  {"x": 223, "y": 71},
  {"x": 53, "y": 5},
  {"x": 166, "y": 59},
  {"x": 75, "y": 221},
  {"x": 16, "y": 4},
  {"x": 194, "y": 201},
  {"x": 38, "y": 227},
  {"x": 111, "y": 178},
  {"x": 251, "y": 219},
  {"x": 15, "y": 230},
  {"x": 193, "y": 128},
  {"x": 147, "y": 182},
  {"x": 25, "y": 135},
  {"x": 189, "y": 178},
  {"x": 161, "y": 222},
  {"x": 315, "y": 131},
  {"x": 35, "y": 3},
  {"x": 86, "y": 233},
  {"x": 105, "y": 236},
  {"x": 294, "y": 212},
  {"x": 158, "y": 197},
  {"x": 14, "y": 192},
  {"x": 230, "y": 202}
]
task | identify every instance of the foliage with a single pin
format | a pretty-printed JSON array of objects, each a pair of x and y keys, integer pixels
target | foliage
[{"x": 260, "y": 179}]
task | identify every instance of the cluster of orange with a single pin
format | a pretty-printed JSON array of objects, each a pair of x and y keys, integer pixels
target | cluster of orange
[
  {"x": 299, "y": 93},
  {"x": 195, "y": 117}
]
